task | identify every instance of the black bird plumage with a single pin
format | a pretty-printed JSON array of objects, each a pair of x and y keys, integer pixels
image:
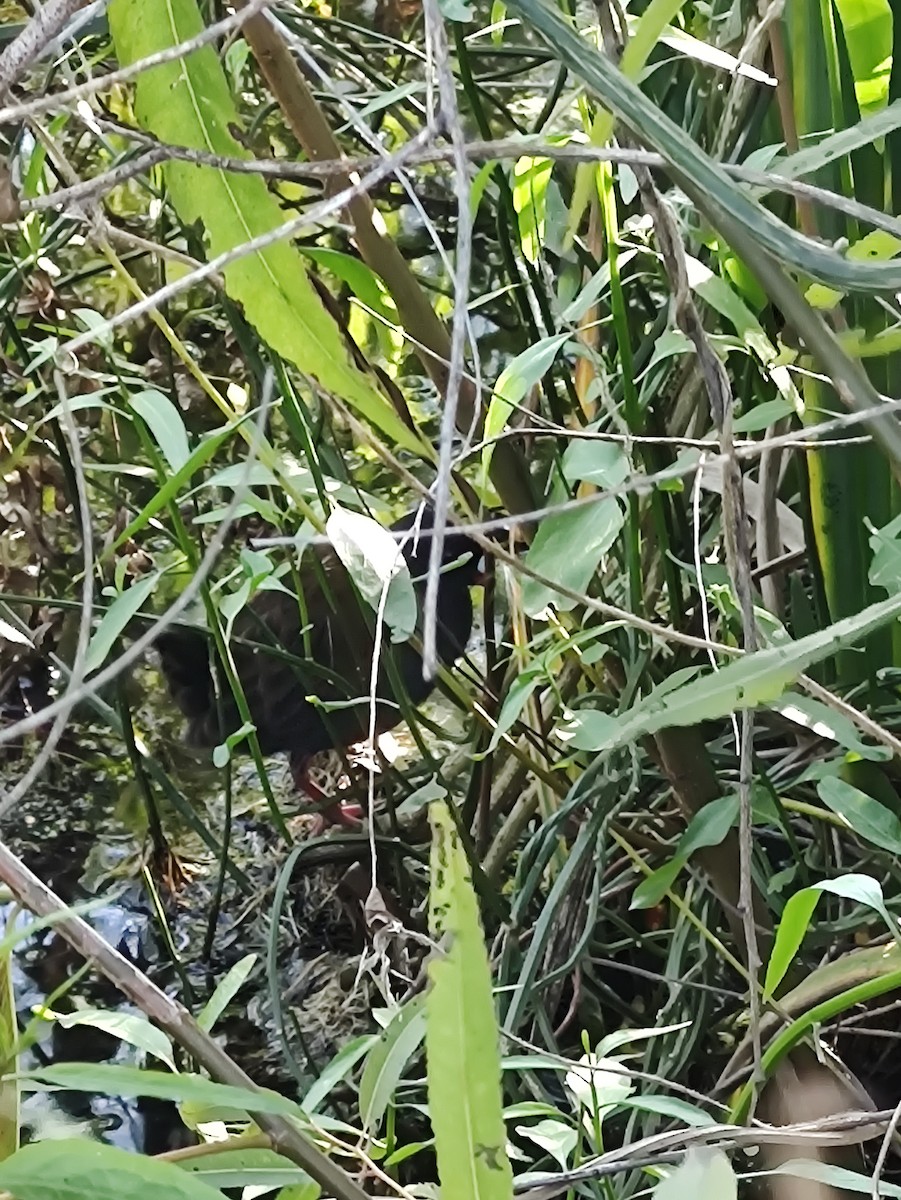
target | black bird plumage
[{"x": 286, "y": 648}]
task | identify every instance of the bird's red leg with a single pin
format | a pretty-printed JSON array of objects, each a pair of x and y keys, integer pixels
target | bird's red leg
[{"x": 348, "y": 815}]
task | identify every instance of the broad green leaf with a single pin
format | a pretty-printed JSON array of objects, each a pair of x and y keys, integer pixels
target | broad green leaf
[
  {"x": 867, "y": 818},
  {"x": 586, "y": 729},
  {"x": 799, "y": 909},
  {"x": 165, "y": 424},
  {"x": 554, "y": 1137},
  {"x": 462, "y": 1051},
  {"x": 125, "y": 606},
  {"x": 599, "y": 1084},
  {"x": 388, "y": 1058},
  {"x": 762, "y": 415},
  {"x": 754, "y": 679},
  {"x": 709, "y": 826},
  {"x": 629, "y": 1037},
  {"x": 654, "y": 887},
  {"x": 375, "y": 562},
  {"x": 704, "y": 1174},
  {"x": 225, "y": 991},
  {"x": 76, "y": 1168},
  {"x": 301, "y": 1191},
  {"x": 188, "y": 103},
  {"x": 132, "y": 1028},
  {"x": 568, "y": 548},
  {"x": 514, "y": 383},
  {"x": 425, "y": 794},
  {"x": 603, "y": 463},
  {"x": 885, "y": 543},
  {"x": 112, "y": 1080},
  {"x": 706, "y": 828}
]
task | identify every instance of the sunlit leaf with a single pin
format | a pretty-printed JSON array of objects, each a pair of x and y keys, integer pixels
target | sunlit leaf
[
  {"x": 705, "y": 1174},
  {"x": 462, "y": 1050},
  {"x": 187, "y": 102},
  {"x": 797, "y": 914},
  {"x": 754, "y": 679},
  {"x": 375, "y": 562}
]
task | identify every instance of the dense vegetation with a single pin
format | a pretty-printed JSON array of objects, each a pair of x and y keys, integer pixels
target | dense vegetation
[{"x": 617, "y": 287}]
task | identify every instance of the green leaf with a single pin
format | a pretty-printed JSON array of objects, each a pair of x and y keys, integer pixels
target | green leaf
[
  {"x": 112, "y": 1080},
  {"x": 867, "y": 26},
  {"x": 515, "y": 381},
  {"x": 586, "y": 729},
  {"x": 115, "y": 619},
  {"x": 516, "y": 698},
  {"x": 171, "y": 488},
  {"x": 127, "y": 1027},
  {"x": 375, "y": 561},
  {"x": 670, "y": 1106},
  {"x": 836, "y": 1177},
  {"x": 335, "y": 1071},
  {"x": 568, "y": 547},
  {"x": 165, "y": 424},
  {"x": 246, "y": 1168},
  {"x": 226, "y": 990},
  {"x": 746, "y": 682},
  {"x": 705, "y": 1174},
  {"x": 554, "y": 1137},
  {"x": 654, "y": 887},
  {"x": 531, "y": 177},
  {"x": 762, "y": 415},
  {"x": 9, "y": 1039},
  {"x": 603, "y": 463},
  {"x": 798, "y": 911},
  {"x": 73, "y": 1168},
  {"x": 188, "y": 103},
  {"x": 706, "y": 828},
  {"x": 700, "y": 174},
  {"x": 867, "y": 818},
  {"x": 388, "y": 1058},
  {"x": 462, "y": 1052}
]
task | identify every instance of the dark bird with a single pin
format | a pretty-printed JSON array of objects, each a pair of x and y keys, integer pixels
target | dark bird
[{"x": 319, "y": 643}]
